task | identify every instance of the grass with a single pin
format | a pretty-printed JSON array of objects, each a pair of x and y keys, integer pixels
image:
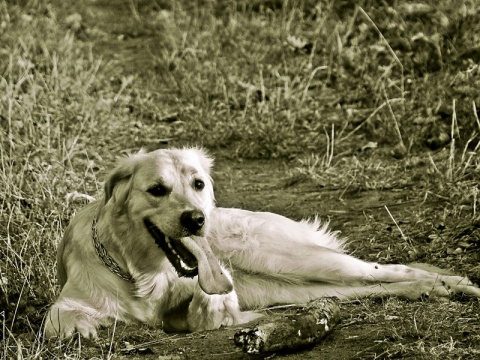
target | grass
[
  {"x": 357, "y": 99},
  {"x": 426, "y": 330}
]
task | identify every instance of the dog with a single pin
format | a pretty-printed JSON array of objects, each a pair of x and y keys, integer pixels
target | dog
[{"x": 156, "y": 250}]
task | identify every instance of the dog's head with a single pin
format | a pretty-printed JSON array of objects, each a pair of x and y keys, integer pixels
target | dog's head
[{"x": 167, "y": 196}]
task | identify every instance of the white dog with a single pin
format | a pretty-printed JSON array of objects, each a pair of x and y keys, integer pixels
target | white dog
[{"x": 147, "y": 252}]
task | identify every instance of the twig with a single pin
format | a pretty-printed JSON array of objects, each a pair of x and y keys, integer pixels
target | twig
[
  {"x": 308, "y": 326},
  {"x": 110, "y": 348},
  {"x": 451, "y": 157},
  {"x": 476, "y": 114},
  {"x": 407, "y": 240},
  {"x": 397, "y": 127},
  {"x": 434, "y": 165},
  {"x": 134, "y": 10},
  {"x": 330, "y": 147},
  {"x": 375, "y": 112},
  {"x": 312, "y": 74},
  {"x": 369, "y": 19}
]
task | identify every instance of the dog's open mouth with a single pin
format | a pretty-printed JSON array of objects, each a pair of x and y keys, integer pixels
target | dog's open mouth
[
  {"x": 179, "y": 256},
  {"x": 191, "y": 256}
]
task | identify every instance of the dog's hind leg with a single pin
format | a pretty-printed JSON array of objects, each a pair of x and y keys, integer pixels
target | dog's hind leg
[
  {"x": 315, "y": 263},
  {"x": 256, "y": 291},
  {"x": 268, "y": 243},
  {"x": 311, "y": 262},
  {"x": 276, "y": 253}
]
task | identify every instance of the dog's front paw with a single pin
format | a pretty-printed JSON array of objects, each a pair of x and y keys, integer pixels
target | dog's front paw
[
  {"x": 210, "y": 312},
  {"x": 64, "y": 323}
]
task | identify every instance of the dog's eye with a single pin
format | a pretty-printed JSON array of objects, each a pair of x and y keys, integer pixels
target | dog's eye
[
  {"x": 158, "y": 190},
  {"x": 199, "y": 184}
]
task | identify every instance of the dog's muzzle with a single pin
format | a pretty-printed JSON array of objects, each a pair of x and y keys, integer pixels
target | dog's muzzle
[
  {"x": 191, "y": 256},
  {"x": 179, "y": 256}
]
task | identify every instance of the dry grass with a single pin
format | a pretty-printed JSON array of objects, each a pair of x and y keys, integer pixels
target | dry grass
[{"x": 356, "y": 99}]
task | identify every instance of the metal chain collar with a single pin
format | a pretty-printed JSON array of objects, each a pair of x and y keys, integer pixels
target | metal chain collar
[{"x": 109, "y": 262}]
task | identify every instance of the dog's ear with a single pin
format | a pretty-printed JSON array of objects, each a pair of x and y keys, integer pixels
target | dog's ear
[{"x": 123, "y": 172}]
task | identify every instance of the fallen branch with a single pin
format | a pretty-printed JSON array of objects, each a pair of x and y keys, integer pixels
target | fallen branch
[{"x": 304, "y": 328}]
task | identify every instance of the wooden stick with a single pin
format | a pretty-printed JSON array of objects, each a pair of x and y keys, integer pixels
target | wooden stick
[{"x": 304, "y": 328}]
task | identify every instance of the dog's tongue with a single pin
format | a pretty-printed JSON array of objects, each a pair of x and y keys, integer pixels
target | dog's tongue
[{"x": 211, "y": 277}]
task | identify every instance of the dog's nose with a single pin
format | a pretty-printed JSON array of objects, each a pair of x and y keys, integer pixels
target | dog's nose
[{"x": 192, "y": 220}]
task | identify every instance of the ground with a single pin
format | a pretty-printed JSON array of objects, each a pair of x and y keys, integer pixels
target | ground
[{"x": 360, "y": 112}]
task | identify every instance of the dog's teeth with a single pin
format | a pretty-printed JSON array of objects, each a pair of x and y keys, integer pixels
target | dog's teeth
[
  {"x": 185, "y": 266},
  {"x": 167, "y": 240},
  {"x": 182, "y": 264}
]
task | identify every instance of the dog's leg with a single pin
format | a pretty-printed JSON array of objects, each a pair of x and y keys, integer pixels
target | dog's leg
[
  {"x": 274, "y": 245},
  {"x": 313, "y": 271},
  {"x": 70, "y": 314},
  {"x": 312, "y": 263},
  {"x": 67, "y": 317},
  {"x": 412, "y": 290},
  {"x": 256, "y": 291},
  {"x": 210, "y": 312},
  {"x": 316, "y": 263}
]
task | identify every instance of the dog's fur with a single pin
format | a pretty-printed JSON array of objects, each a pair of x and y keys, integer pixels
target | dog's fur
[{"x": 272, "y": 259}]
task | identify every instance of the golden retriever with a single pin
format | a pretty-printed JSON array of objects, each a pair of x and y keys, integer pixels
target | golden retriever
[{"x": 147, "y": 252}]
